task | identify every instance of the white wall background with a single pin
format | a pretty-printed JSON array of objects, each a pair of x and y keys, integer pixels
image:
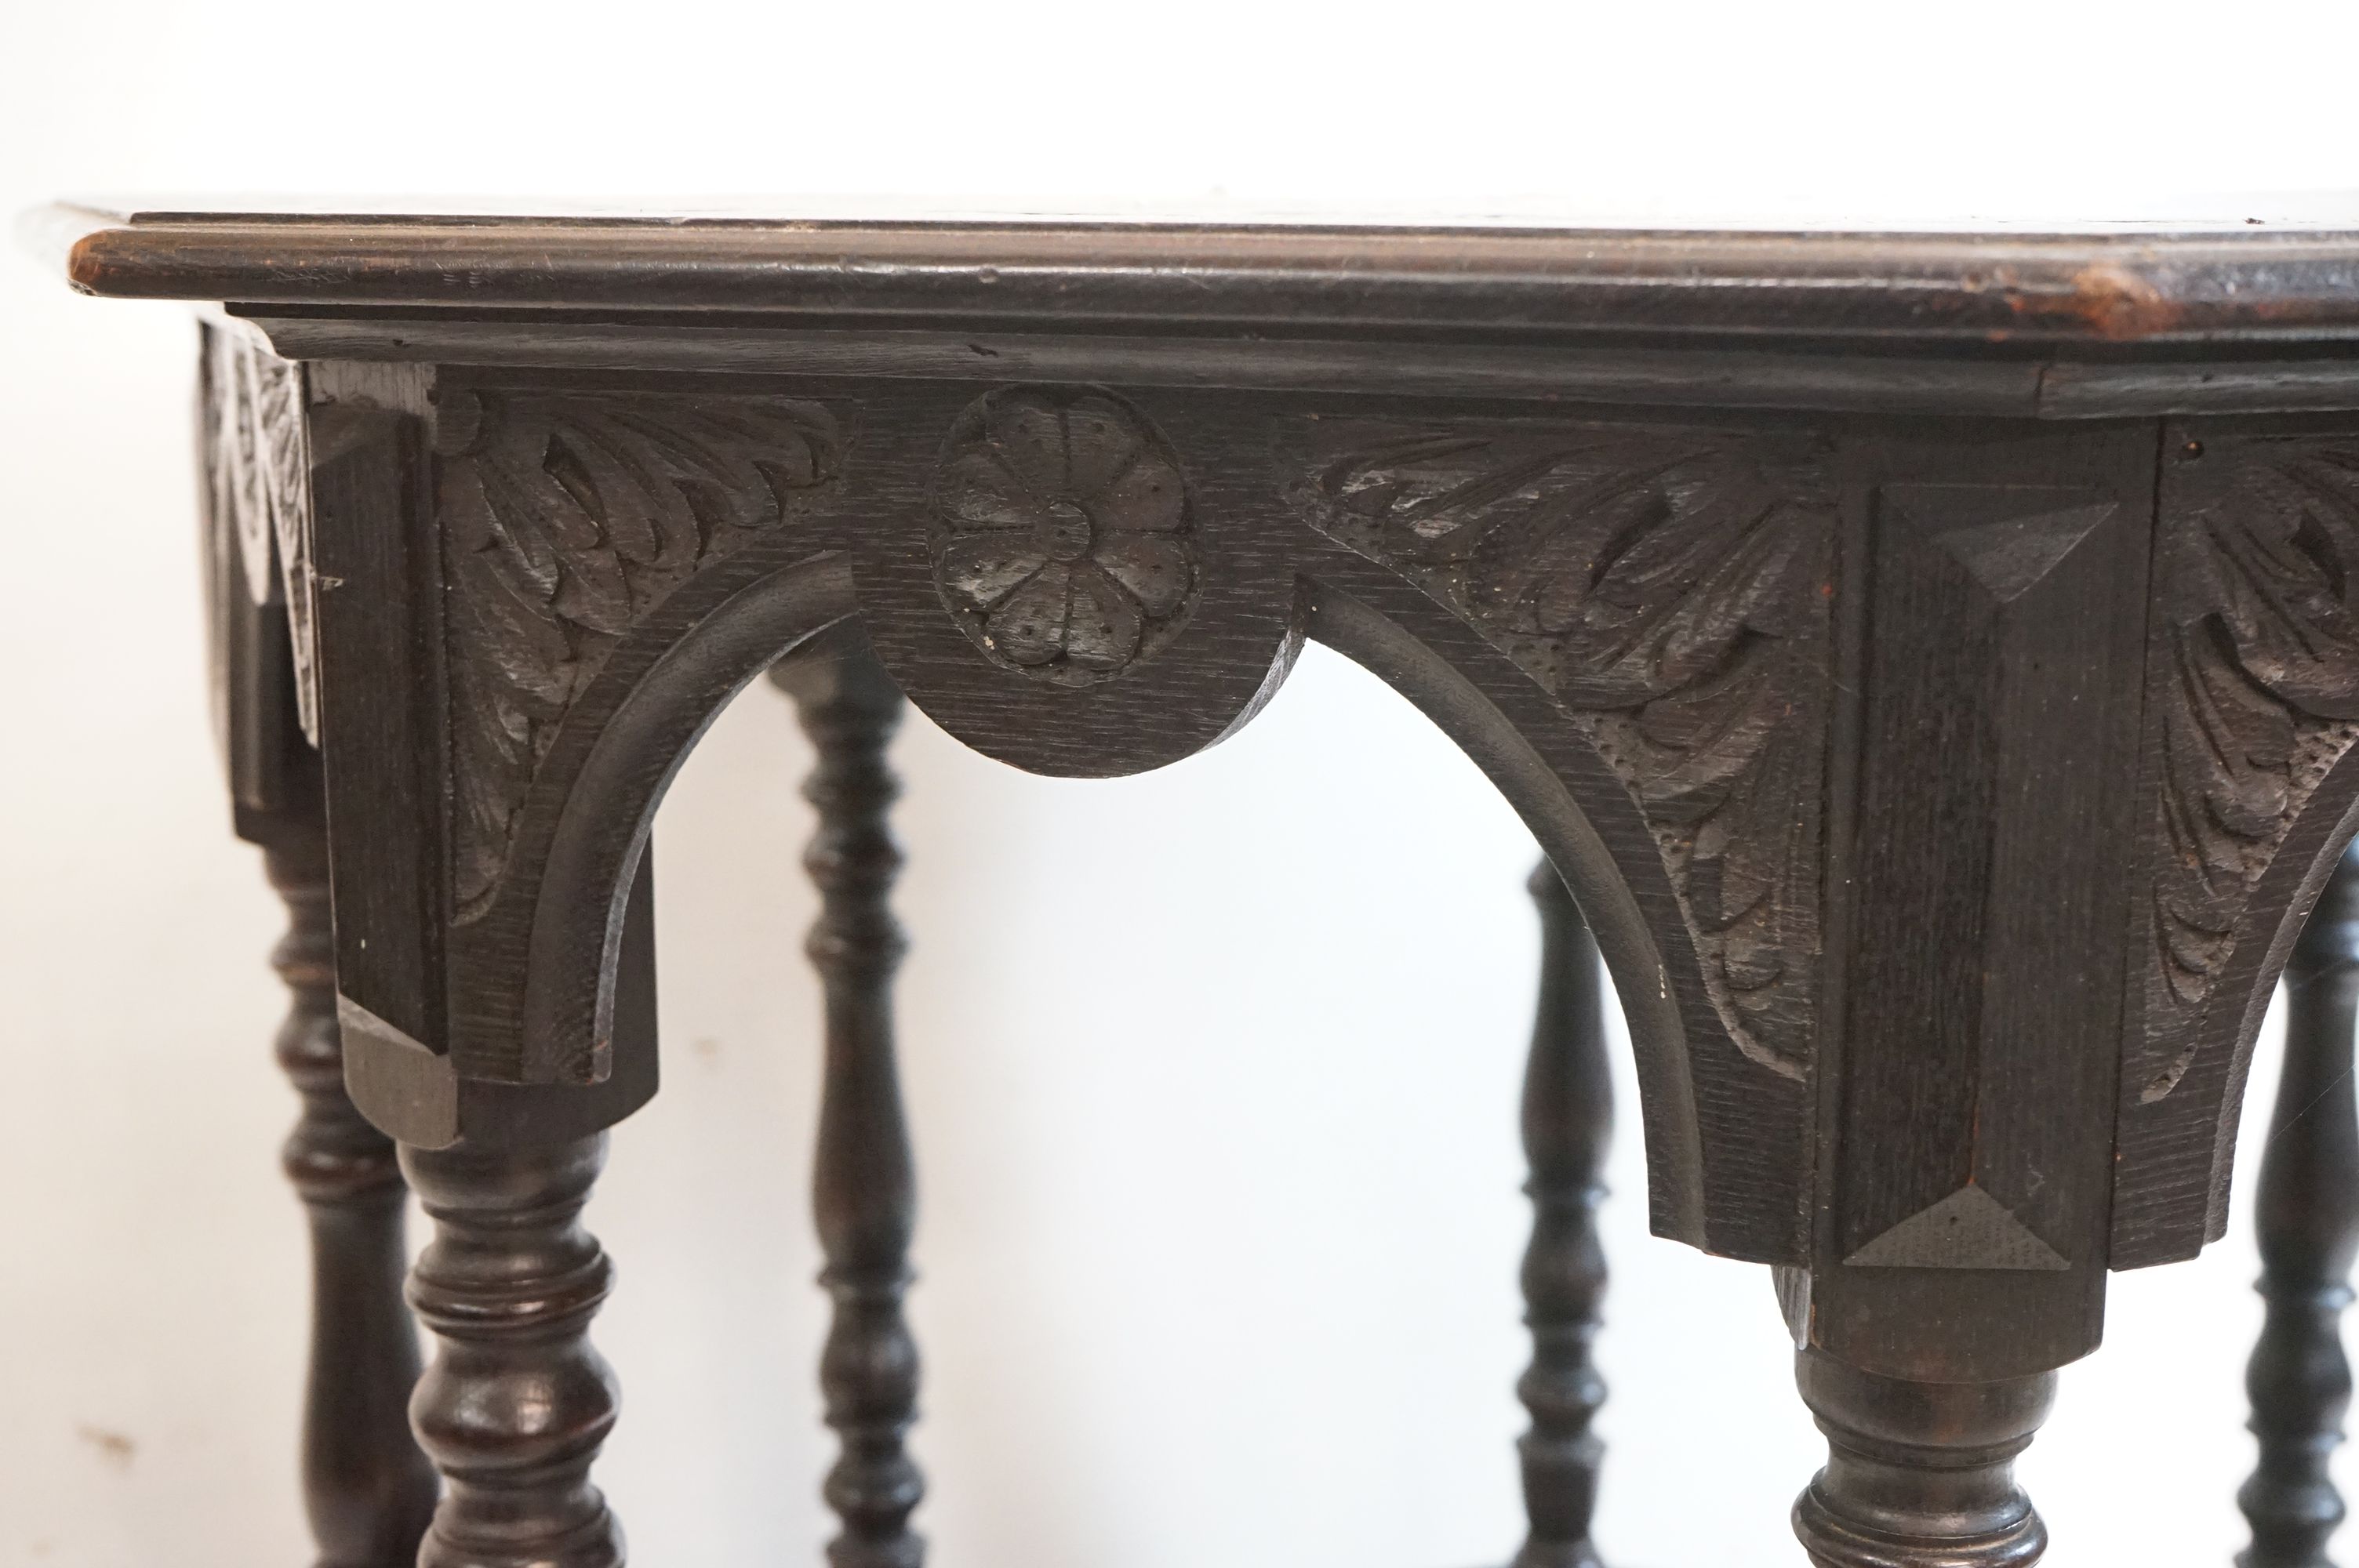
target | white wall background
[{"x": 1220, "y": 1217}]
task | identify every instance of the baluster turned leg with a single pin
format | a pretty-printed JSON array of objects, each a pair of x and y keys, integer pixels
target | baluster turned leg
[
  {"x": 865, "y": 1194},
  {"x": 367, "y": 1489},
  {"x": 2299, "y": 1379},
  {"x": 1568, "y": 1114},
  {"x": 516, "y": 1403}
]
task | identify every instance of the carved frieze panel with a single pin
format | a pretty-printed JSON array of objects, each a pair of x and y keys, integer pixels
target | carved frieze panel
[
  {"x": 2254, "y": 681},
  {"x": 257, "y": 471},
  {"x": 1671, "y": 589},
  {"x": 565, "y": 519}
]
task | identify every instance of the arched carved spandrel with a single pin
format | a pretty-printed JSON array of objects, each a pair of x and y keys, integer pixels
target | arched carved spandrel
[
  {"x": 2258, "y": 695},
  {"x": 1723, "y": 1135},
  {"x": 1670, "y": 589},
  {"x": 567, "y": 520},
  {"x": 2252, "y": 715}
]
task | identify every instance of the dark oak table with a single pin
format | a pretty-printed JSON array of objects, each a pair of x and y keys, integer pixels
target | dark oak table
[{"x": 1930, "y": 661}]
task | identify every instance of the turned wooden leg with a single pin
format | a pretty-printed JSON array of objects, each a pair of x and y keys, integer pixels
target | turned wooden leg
[
  {"x": 367, "y": 1489},
  {"x": 2299, "y": 1379},
  {"x": 1920, "y": 1475},
  {"x": 1568, "y": 1114},
  {"x": 517, "y": 1402},
  {"x": 864, "y": 1190}
]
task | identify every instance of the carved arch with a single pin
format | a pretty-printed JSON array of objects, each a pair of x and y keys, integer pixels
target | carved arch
[
  {"x": 1539, "y": 795},
  {"x": 1643, "y": 608},
  {"x": 1725, "y": 1136},
  {"x": 602, "y": 832},
  {"x": 524, "y": 634},
  {"x": 586, "y": 884},
  {"x": 1624, "y": 624},
  {"x": 588, "y": 960}
]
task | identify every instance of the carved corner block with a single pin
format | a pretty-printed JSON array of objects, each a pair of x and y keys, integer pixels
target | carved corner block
[
  {"x": 1983, "y": 855},
  {"x": 531, "y": 603}
]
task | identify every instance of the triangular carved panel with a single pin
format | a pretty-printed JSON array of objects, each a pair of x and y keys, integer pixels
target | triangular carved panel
[
  {"x": 1968, "y": 1229},
  {"x": 2009, "y": 536}
]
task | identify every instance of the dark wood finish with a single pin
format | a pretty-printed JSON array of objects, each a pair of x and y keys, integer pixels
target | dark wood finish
[
  {"x": 864, "y": 1187},
  {"x": 1995, "y": 660},
  {"x": 2252, "y": 692},
  {"x": 420, "y": 979},
  {"x": 543, "y": 623},
  {"x": 1920, "y": 1475},
  {"x": 1575, "y": 370},
  {"x": 2307, "y": 1216},
  {"x": 1568, "y": 1114},
  {"x": 366, "y": 1488},
  {"x": 2119, "y": 286},
  {"x": 1928, "y": 660},
  {"x": 517, "y": 1402}
]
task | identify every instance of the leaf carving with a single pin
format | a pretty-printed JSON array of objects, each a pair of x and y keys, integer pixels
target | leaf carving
[
  {"x": 257, "y": 466},
  {"x": 2256, "y": 679},
  {"x": 1670, "y": 590},
  {"x": 566, "y": 519}
]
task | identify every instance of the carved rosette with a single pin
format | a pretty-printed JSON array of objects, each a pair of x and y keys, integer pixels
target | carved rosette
[
  {"x": 257, "y": 490},
  {"x": 1670, "y": 590},
  {"x": 1062, "y": 539},
  {"x": 566, "y": 519},
  {"x": 2256, "y": 679}
]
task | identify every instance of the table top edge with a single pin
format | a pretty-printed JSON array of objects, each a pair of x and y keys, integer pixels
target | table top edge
[{"x": 2118, "y": 286}]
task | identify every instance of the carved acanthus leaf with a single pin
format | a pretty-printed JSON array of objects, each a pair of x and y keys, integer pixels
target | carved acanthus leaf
[
  {"x": 1670, "y": 590},
  {"x": 565, "y": 520},
  {"x": 258, "y": 487},
  {"x": 2256, "y": 683}
]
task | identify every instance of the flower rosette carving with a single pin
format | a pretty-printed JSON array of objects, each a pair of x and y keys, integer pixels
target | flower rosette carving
[
  {"x": 1670, "y": 590},
  {"x": 1063, "y": 542}
]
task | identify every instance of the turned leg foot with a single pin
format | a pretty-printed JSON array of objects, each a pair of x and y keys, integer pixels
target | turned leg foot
[
  {"x": 517, "y": 1402},
  {"x": 1920, "y": 1475}
]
